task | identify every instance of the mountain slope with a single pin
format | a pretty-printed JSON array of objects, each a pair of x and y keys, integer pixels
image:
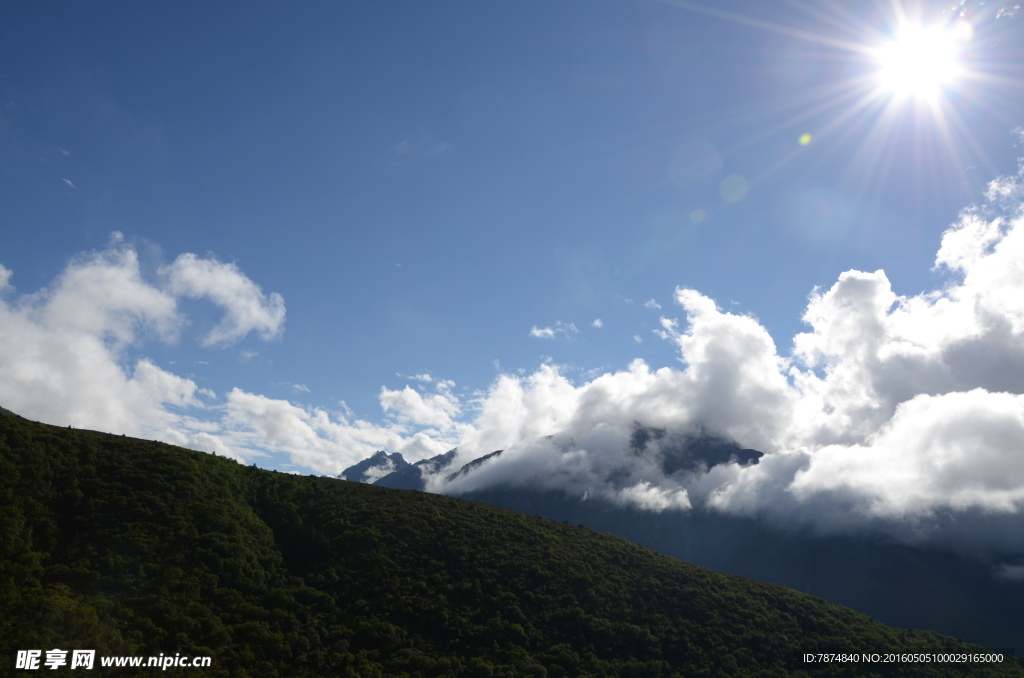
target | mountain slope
[
  {"x": 896, "y": 583},
  {"x": 135, "y": 547}
]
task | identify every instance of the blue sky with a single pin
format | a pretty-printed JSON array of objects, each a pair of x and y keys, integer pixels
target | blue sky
[{"x": 457, "y": 190}]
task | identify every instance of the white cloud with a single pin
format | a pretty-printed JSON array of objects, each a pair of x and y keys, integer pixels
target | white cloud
[
  {"x": 435, "y": 410},
  {"x": 637, "y": 339},
  {"x": 649, "y": 497},
  {"x": 103, "y": 295},
  {"x": 559, "y": 328},
  {"x": 246, "y": 308},
  {"x": 652, "y": 304},
  {"x": 956, "y": 450},
  {"x": 207, "y": 442},
  {"x": 68, "y": 182},
  {"x": 598, "y": 323},
  {"x": 63, "y": 351},
  {"x": 5, "y": 278}
]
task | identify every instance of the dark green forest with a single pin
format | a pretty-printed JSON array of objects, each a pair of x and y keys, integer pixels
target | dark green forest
[{"x": 133, "y": 547}]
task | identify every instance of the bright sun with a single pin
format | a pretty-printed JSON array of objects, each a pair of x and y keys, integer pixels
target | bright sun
[{"x": 921, "y": 62}]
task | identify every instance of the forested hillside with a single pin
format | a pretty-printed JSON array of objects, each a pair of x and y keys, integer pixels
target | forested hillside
[{"x": 134, "y": 547}]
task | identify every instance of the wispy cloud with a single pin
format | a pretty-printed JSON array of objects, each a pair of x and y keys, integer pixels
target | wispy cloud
[
  {"x": 424, "y": 378},
  {"x": 68, "y": 182},
  {"x": 559, "y": 328},
  {"x": 652, "y": 304},
  {"x": 422, "y": 145},
  {"x": 598, "y": 323}
]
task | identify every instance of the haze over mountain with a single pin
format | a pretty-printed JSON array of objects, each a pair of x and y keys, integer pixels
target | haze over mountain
[
  {"x": 915, "y": 586},
  {"x": 372, "y": 469}
]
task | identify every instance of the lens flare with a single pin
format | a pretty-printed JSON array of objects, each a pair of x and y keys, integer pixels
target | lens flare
[{"x": 733, "y": 188}]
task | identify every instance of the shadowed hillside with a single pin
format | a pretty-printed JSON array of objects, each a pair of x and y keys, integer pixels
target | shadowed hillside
[
  {"x": 896, "y": 583},
  {"x": 135, "y": 547}
]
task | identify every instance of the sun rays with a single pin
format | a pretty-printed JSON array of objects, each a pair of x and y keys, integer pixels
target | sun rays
[
  {"x": 907, "y": 78},
  {"x": 922, "y": 61}
]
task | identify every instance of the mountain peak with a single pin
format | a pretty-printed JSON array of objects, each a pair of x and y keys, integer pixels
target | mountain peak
[{"x": 374, "y": 468}]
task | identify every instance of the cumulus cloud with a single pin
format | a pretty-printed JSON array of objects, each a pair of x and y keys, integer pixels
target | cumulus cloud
[
  {"x": 61, "y": 349},
  {"x": 246, "y": 308},
  {"x": 957, "y": 450},
  {"x": 652, "y": 304},
  {"x": 436, "y": 410},
  {"x": 103, "y": 295},
  {"x": 598, "y": 323}
]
